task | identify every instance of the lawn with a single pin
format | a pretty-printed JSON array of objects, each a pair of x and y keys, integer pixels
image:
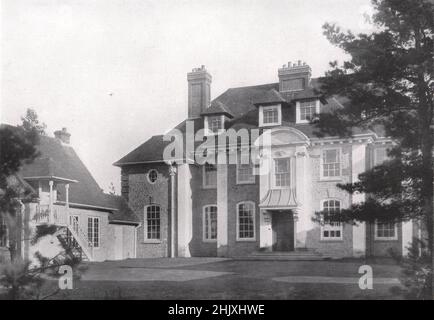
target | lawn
[{"x": 212, "y": 278}]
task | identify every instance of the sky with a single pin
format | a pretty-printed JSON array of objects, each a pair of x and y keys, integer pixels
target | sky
[{"x": 113, "y": 72}]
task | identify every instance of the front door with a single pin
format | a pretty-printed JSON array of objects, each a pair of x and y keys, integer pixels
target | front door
[{"x": 283, "y": 230}]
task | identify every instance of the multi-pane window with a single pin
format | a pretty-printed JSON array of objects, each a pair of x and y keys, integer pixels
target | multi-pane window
[
  {"x": 209, "y": 175},
  {"x": 74, "y": 224},
  {"x": 93, "y": 231},
  {"x": 246, "y": 220},
  {"x": 307, "y": 110},
  {"x": 385, "y": 230},
  {"x": 281, "y": 172},
  {"x": 292, "y": 84},
  {"x": 245, "y": 169},
  {"x": 210, "y": 223},
  {"x": 331, "y": 166},
  {"x": 3, "y": 233},
  {"x": 215, "y": 124},
  {"x": 152, "y": 216},
  {"x": 331, "y": 230},
  {"x": 270, "y": 115}
]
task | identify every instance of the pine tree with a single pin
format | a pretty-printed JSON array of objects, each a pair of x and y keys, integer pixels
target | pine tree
[{"x": 389, "y": 83}]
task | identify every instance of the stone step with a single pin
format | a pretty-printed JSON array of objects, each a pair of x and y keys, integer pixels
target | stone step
[{"x": 299, "y": 255}]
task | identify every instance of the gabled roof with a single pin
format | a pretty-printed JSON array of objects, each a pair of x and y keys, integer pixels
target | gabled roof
[
  {"x": 59, "y": 162},
  {"x": 217, "y": 108}
]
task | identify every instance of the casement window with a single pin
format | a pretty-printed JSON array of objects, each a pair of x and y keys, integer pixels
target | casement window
[
  {"x": 3, "y": 233},
  {"x": 246, "y": 221},
  {"x": 306, "y": 110},
  {"x": 93, "y": 231},
  {"x": 331, "y": 230},
  {"x": 210, "y": 223},
  {"x": 331, "y": 165},
  {"x": 152, "y": 222},
  {"x": 386, "y": 230},
  {"x": 292, "y": 84},
  {"x": 281, "y": 172},
  {"x": 245, "y": 169},
  {"x": 214, "y": 124},
  {"x": 209, "y": 176},
  {"x": 270, "y": 115}
]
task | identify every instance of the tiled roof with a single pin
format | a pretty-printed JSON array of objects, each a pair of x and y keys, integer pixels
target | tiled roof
[
  {"x": 58, "y": 161},
  {"x": 217, "y": 107},
  {"x": 240, "y": 102},
  {"x": 124, "y": 214},
  {"x": 270, "y": 96}
]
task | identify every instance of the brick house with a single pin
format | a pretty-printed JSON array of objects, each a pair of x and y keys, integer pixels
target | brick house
[
  {"x": 229, "y": 209},
  {"x": 99, "y": 226}
]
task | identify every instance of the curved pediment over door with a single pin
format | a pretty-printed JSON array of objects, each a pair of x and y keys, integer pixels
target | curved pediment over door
[{"x": 281, "y": 137}]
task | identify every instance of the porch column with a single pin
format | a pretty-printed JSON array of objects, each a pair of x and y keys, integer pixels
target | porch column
[
  {"x": 185, "y": 211},
  {"x": 51, "y": 218},
  {"x": 67, "y": 202},
  {"x": 358, "y": 164},
  {"x": 172, "y": 172},
  {"x": 222, "y": 205},
  {"x": 407, "y": 236}
]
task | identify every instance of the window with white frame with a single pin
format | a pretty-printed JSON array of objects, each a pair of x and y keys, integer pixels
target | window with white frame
[
  {"x": 270, "y": 115},
  {"x": 331, "y": 230},
  {"x": 246, "y": 221},
  {"x": 306, "y": 110},
  {"x": 209, "y": 175},
  {"x": 3, "y": 232},
  {"x": 152, "y": 222},
  {"x": 215, "y": 124},
  {"x": 331, "y": 166},
  {"x": 93, "y": 231},
  {"x": 210, "y": 223},
  {"x": 244, "y": 168},
  {"x": 281, "y": 172},
  {"x": 386, "y": 230}
]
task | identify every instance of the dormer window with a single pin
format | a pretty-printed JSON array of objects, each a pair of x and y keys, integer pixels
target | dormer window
[
  {"x": 214, "y": 124},
  {"x": 270, "y": 115},
  {"x": 306, "y": 110}
]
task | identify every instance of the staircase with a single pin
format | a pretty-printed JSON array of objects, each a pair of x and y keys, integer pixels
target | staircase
[
  {"x": 69, "y": 234},
  {"x": 297, "y": 255}
]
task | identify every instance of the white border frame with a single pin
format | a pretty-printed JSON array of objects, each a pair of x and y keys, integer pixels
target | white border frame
[
  {"x": 297, "y": 111},
  {"x": 148, "y": 173},
  {"x": 322, "y": 238},
  {"x": 145, "y": 224},
  {"x": 203, "y": 223},
  {"x": 99, "y": 231},
  {"x": 395, "y": 238},
  {"x": 238, "y": 239},
  {"x": 208, "y": 132},
  {"x": 321, "y": 165},
  {"x": 273, "y": 173},
  {"x": 279, "y": 115}
]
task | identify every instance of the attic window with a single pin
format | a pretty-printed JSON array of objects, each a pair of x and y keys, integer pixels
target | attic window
[
  {"x": 306, "y": 110},
  {"x": 214, "y": 124},
  {"x": 270, "y": 115}
]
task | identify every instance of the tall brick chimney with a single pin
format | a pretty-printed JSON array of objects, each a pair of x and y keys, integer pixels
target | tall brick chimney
[
  {"x": 294, "y": 76},
  {"x": 63, "y": 135},
  {"x": 199, "y": 91}
]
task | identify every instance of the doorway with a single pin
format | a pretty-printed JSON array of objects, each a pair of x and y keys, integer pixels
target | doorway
[{"x": 282, "y": 224}]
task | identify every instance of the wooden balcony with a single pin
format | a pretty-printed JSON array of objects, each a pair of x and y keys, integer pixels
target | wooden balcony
[{"x": 57, "y": 215}]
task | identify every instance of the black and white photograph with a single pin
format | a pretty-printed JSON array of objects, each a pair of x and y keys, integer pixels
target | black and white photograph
[{"x": 216, "y": 155}]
